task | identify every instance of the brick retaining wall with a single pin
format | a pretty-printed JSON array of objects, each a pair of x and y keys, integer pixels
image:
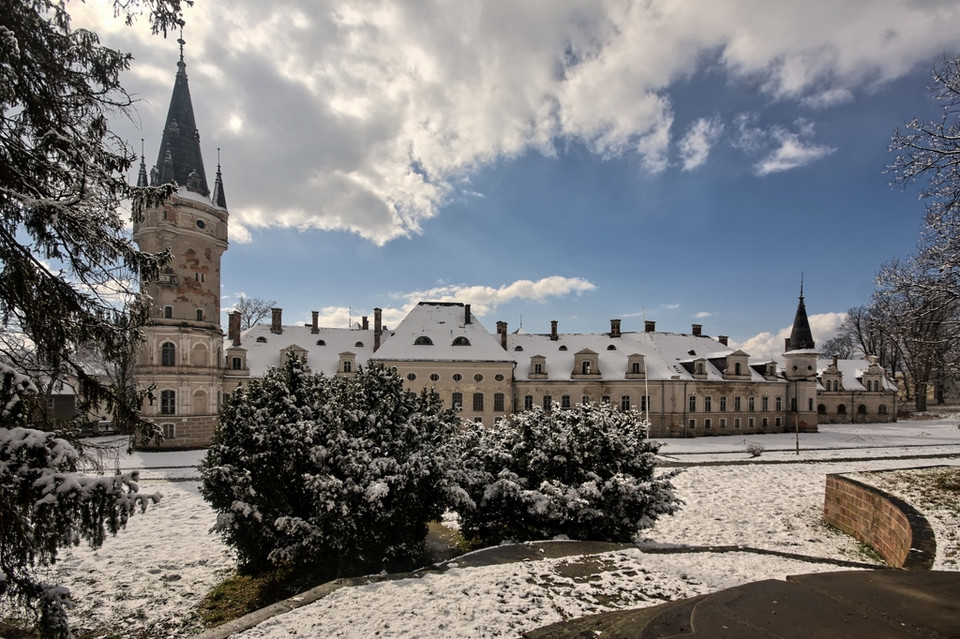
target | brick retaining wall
[{"x": 892, "y": 527}]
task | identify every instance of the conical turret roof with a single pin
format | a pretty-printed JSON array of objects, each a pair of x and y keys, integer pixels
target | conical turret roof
[
  {"x": 179, "y": 157},
  {"x": 801, "y": 337}
]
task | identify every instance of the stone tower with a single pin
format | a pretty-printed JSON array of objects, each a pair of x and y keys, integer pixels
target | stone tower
[
  {"x": 800, "y": 371},
  {"x": 181, "y": 355}
]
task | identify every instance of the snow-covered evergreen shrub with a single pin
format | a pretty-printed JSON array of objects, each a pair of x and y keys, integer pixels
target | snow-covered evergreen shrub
[
  {"x": 45, "y": 505},
  {"x": 587, "y": 472},
  {"x": 339, "y": 472}
]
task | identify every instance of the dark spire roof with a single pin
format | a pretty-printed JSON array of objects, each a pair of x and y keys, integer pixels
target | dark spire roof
[
  {"x": 179, "y": 157},
  {"x": 801, "y": 337},
  {"x": 142, "y": 177},
  {"x": 219, "y": 198}
]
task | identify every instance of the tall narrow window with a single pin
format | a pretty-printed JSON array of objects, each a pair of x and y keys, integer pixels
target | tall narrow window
[
  {"x": 347, "y": 366},
  {"x": 168, "y": 402},
  {"x": 693, "y": 403},
  {"x": 764, "y": 404},
  {"x": 478, "y": 401},
  {"x": 528, "y": 402},
  {"x": 168, "y": 354},
  {"x": 498, "y": 402},
  {"x": 707, "y": 404},
  {"x": 564, "y": 401},
  {"x": 547, "y": 402},
  {"x": 752, "y": 404},
  {"x": 585, "y": 368},
  {"x": 779, "y": 403},
  {"x": 199, "y": 314},
  {"x": 736, "y": 404},
  {"x": 625, "y": 403},
  {"x": 457, "y": 400},
  {"x": 167, "y": 312},
  {"x": 723, "y": 404}
]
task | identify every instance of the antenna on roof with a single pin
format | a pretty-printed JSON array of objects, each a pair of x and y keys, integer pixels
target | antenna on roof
[
  {"x": 645, "y": 419},
  {"x": 521, "y": 320}
]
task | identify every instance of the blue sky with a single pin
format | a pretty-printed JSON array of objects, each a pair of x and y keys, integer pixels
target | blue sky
[{"x": 568, "y": 160}]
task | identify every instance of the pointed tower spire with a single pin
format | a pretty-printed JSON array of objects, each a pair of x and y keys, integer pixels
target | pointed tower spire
[
  {"x": 801, "y": 337},
  {"x": 142, "y": 177},
  {"x": 219, "y": 198},
  {"x": 179, "y": 156}
]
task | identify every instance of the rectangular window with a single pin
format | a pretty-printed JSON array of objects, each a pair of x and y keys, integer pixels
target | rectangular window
[
  {"x": 752, "y": 404},
  {"x": 723, "y": 422},
  {"x": 564, "y": 401},
  {"x": 693, "y": 404},
  {"x": 456, "y": 400},
  {"x": 547, "y": 402},
  {"x": 644, "y": 402},
  {"x": 199, "y": 314},
  {"x": 750, "y": 423},
  {"x": 478, "y": 401},
  {"x": 498, "y": 402},
  {"x": 736, "y": 422},
  {"x": 168, "y": 402},
  {"x": 605, "y": 399},
  {"x": 764, "y": 404},
  {"x": 707, "y": 422},
  {"x": 793, "y": 404},
  {"x": 723, "y": 404},
  {"x": 737, "y": 404},
  {"x": 169, "y": 431},
  {"x": 693, "y": 424},
  {"x": 528, "y": 402},
  {"x": 625, "y": 403},
  {"x": 764, "y": 422},
  {"x": 707, "y": 404},
  {"x": 167, "y": 312},
  {"x": 779, "y": 403},
  {"x": 237, "y": 363}
]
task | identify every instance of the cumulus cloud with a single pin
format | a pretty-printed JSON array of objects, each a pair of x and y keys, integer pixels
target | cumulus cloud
[
  {"x": 695, "y": 145},
  {"x": 766, "y": 345},
  {"x": 366, "y": 116},
  {"x": 484, "y": 299}
]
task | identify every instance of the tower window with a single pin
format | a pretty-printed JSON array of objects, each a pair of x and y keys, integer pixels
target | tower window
[
  {"x": 201, "y": 224},
  {"x": 199, "y": 314},
  {"x": 237, "y": 364},
  {"x": 167, "y": 312},
  {"x": 168, "y": 354},
  {"x": 168, "y": 402}
]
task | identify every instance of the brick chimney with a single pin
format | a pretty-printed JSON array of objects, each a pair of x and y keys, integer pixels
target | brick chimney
[
  {"x": 233, "y": 330},
  {"x": 696, "y": 328},
  {"x": 723, "y": 339},
  {"x": 553, "y": 330},
  {"x": 466, "y": 314},
  {"x": 649, "y": 326},
  {"x": 614, "y": 328},
  {"x": 502, "y": 332},
  {"x": 377, "y": 328},
  {"x": 315, "y": 326},
  {"x": 276, "y": 321},
  {"x": 364, "y": 323}
]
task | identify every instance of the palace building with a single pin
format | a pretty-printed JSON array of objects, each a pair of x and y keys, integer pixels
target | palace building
[{"x": 686, "y": 384}]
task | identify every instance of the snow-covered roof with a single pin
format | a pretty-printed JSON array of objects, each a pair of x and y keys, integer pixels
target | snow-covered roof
[
  {"x": 852, "y": 371},
  {"x": 323, "y": 348},
  {"x": 664, "y": 353},
  {"x": 441, "y": 331}
]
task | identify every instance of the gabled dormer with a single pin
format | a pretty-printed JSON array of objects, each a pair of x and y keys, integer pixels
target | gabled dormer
[
  {"x": 538, "y": 367},
  {"x": 586, "y": 365},
  {"x": 831, "y": 379},
  {"x": 292, "y": 351},
  {"x": 874, "y": 376},
  {"x": 737, "y": 366},
  {"x": 347, "y": 365},
  {"x": 636, "y": 367}
]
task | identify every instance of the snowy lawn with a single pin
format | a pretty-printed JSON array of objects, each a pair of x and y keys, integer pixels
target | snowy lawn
[{"x": 148, "y": 580}]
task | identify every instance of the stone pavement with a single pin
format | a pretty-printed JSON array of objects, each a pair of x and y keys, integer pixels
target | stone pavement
[{"x": 850, "y": 605}]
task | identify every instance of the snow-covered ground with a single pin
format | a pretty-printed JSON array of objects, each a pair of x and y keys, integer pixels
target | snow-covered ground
[{"x": 148, "y": 580}]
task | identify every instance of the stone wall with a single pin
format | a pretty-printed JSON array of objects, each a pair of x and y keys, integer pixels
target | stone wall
[{"x": 892, "y": 527}]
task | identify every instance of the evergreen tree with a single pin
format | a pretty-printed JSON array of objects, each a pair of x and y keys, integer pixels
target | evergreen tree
[
  {"x": 65, "y": 256},
  {"x": 587, "y": 472},
  {"x": 340, "y": 474}
]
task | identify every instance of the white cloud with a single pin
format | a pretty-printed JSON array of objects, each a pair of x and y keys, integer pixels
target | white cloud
[
  {"x": 366, "y": 116},
  {"x": 695, "y": 145},
  {"x": 824, "y": 326},
  {"x": 792, "y": 151},
  {"x": 485, "y": 299}
]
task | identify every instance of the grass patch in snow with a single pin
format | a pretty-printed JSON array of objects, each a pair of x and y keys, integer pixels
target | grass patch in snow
[{"x": 241, "y": 594}]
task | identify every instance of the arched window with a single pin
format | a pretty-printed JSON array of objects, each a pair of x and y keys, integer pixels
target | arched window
[
  {"x": 882, "y": 409},
  {"x": 168, "y": 402},
  {"x": 862, "y": 409},
  {"x": 635, "y": 368},
  {"x": 347, "y": 366},
  {"x": 461, "y": 341},
  {"x": 359, "y": 345},
  {"x": 538, "y": 369},
  {"x": 423, "y": 340},
  {"x": 169, "y": 431},
  {"x": 585, "y": 368},
  {"x": 237, "y": 363},
  {"x": 821, "y": 409},
  {"x": 842, "y": 409},
  {"x": 168, "y": 354},
  {"x": 518, "y": 348}
]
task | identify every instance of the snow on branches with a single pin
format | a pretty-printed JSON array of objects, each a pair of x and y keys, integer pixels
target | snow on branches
[{"x": 586, "y": 472}]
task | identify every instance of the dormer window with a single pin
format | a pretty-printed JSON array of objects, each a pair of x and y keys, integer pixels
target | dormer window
[
  {"x": 461, "y": 341},
  {"x": 359, "y": 345},
  {"x": 538, "y": 366},
  {"x": 423, "y": 340},
  {"x": 262, "y": 340},
  {"x": 321, "y": 342},
  {"x": 585, "y": 364}
]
